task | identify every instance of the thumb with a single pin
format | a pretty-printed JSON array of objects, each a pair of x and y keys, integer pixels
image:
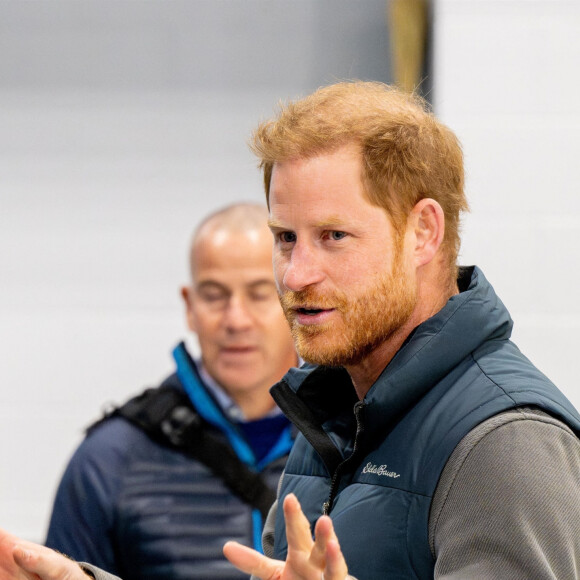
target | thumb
[
  {"x": 252, "y": 562},
  {"x": 42, "y": 563}
]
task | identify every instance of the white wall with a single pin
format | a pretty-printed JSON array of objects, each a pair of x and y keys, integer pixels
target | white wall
[{"x": 507, "y": 82}]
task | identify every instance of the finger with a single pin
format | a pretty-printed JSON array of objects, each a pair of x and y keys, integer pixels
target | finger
[
  {"x": 326, "y": 552},
  {"x": 336, "y": 568},
  {"x": 252, "y": 562},
  {"x": 19, "y": 554},
  {"x": 323, "y": 532},
  {"x": 46, "y": 564},
  {"x": 298, "y": 532},
  {"x": 9, "y": 569}
]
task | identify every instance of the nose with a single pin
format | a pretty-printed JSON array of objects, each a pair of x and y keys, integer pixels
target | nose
[
  {"x": 237, "y": 315},
  {"x": 300, "y": 269}
]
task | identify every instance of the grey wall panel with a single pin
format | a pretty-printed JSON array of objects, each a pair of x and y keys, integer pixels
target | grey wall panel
[{"x": 209, "y": 44}]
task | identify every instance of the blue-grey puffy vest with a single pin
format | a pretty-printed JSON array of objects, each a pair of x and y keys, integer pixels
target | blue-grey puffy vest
[{"x": 374, "y": 464}]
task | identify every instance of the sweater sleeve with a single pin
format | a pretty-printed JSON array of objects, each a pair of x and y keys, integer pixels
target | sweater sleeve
[
  {"x": 96, "y": 573},
  {"x": 507, "y": 505},
  {"x": 83, "y": 514}
]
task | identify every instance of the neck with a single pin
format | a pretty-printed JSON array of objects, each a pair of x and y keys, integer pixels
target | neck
[
  {"x": 257, "y": 402},
  {"x": 255, "y": 406},
  {"x": 364, "y": 373}
]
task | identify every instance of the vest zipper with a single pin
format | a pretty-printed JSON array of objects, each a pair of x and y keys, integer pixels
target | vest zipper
[{"x": 327, "y": 505}]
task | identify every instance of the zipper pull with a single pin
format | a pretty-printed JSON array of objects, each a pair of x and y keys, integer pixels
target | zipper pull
[{"x": 325, "y": 508}]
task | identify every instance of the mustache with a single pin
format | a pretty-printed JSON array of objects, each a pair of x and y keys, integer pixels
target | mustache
[{"x": 310, "y": 298}]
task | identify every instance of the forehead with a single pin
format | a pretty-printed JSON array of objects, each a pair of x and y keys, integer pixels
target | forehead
[
  {"x": 327, "y": 188},
  {"x": 225, "y": 255}
]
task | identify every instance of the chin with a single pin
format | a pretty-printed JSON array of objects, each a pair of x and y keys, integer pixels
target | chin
[{"x": 237, "y": 381}]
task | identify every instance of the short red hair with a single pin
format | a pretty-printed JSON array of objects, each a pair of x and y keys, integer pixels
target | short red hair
[{"x": 407, "y": 154}]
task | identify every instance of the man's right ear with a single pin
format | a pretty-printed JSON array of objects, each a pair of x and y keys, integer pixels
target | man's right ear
[{"x": 187, "y": 295}]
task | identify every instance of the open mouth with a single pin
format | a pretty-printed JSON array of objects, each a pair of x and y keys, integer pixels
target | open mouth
[{"x": 309, "y": 311}]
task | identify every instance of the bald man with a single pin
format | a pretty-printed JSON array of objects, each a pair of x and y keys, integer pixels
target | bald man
[{"x": 137, "y": 506}]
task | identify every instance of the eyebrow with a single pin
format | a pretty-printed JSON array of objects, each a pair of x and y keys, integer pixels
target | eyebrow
[
  {"x": 262, "y": 282},
  {"x": 275, "y": 225},
  {"x": 216, "y": 284},
  {"x": 332, "y": 220},
  {"x": 210, "y": 283}
]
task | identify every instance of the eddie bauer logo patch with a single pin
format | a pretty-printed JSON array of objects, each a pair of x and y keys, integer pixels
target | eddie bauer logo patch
[{"x": 379, "y": 470}]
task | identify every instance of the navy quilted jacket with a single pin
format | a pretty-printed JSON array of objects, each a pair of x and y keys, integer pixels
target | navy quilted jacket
[{"x": 143, "y": 511}]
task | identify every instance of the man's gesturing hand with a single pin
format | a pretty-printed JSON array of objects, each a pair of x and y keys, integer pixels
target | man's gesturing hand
[
  {"x": 307, "y": 559},
  {"x": 21, "y": 560}
]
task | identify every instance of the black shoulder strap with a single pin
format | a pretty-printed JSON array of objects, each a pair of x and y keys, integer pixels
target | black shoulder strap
[{"x": 167, "y": 416}]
